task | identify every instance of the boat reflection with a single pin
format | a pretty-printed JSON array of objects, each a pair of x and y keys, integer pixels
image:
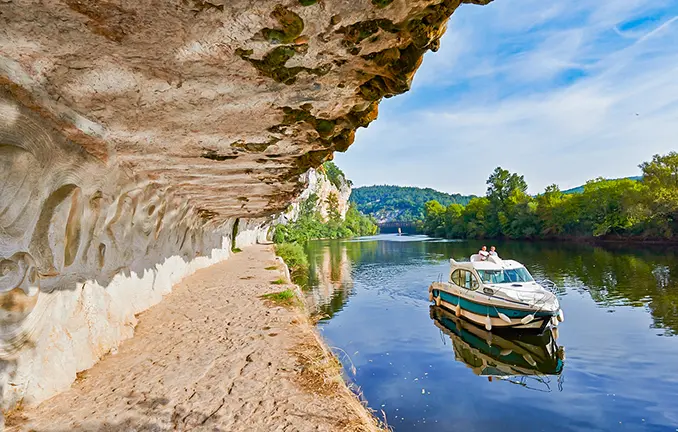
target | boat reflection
[{"x": 522, "y": 359}]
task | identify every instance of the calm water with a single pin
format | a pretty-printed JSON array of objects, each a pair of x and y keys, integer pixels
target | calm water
[{"x": 427, "y": 371}]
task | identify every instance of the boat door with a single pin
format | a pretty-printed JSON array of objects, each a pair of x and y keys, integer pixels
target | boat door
[{"x": 465, "y": 280}]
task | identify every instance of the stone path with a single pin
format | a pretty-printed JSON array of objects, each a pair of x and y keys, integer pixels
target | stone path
[{"x": 211, "y": 356}]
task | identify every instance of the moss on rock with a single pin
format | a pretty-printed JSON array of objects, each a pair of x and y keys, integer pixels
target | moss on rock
[
  {"x": 291, "y": 26},
  {"x": 381, "y": 3},
  {"x": 214, "y": 155},
  {"x": 254, "y": 147},
  {"x": 356, "y": 33},
  {"x": 273, "y": 64}
]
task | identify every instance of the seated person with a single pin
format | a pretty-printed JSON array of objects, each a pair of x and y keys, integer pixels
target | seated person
[
  {"x": 493, "y": 252},
  {"x": 483, "y": 253}
]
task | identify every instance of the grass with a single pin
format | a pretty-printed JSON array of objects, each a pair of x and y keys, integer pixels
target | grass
[
  {"x": 271, "y": 268},
  {"x": 285, "y": 298},
  {"x": 279, "y": 282},
  {"x": 236, "y": 250},
  {"x": 294, "y": 256},
  {"x": 320, "y": 370}
]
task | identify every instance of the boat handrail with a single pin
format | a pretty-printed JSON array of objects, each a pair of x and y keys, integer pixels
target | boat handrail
[{"x": 547, "y": 284}]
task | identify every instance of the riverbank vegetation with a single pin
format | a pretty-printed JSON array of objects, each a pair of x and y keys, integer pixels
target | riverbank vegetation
[
  {"x": 285, "y": 298},
  {"x": 607, "y": 209},
  {"x": 310, "y": 224},
  {"x": 294, "y": 256}
]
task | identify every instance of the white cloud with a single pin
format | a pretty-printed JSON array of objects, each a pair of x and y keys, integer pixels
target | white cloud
[{"x": 498, "y": 93}]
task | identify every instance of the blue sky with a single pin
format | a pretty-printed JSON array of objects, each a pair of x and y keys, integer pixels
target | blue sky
[{"x": 561, "y": 92}]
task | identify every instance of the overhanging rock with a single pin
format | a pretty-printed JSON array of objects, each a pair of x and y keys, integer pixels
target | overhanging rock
[{"x": 133, "y": 135}]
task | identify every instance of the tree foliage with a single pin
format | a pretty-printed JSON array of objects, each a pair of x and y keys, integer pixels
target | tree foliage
[
  {"x": 310, "y": 225},
  {"x": 398, "y": 203},
  {"x": 646, "y": 208},
  {"x": 335, "y": 175}
]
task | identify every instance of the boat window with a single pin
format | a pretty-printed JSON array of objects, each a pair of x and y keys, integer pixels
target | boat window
[
  {"x": 519, "y": 274},
  {"x": 458, "y": 277},
  {"x": 465, "y": 279},
  {"x": 471, "y": 281}
]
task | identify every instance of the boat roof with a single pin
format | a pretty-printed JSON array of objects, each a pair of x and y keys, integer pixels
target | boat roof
[
  {"x": 502, "y": 264},
  {"x": 492, "y": 263}
]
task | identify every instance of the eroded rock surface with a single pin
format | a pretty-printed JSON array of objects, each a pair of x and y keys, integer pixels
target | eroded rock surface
[
  {"x": 134, "y": 135},
  {"x": 221, "y": 100},
  {"x": 243, "y": 364},
  {"x": 84, "y": 246}
]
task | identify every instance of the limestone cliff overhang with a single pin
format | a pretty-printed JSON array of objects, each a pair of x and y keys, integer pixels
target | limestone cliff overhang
[{"x": 222, "y": 103}]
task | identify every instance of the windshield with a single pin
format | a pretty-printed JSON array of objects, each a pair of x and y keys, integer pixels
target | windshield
[{"x": 519, "y": 274}]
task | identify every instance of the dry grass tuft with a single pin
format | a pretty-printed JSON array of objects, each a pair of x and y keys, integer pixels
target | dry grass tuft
[
  {"x": 271, "y": 268},
  {"x": 320, "y": 371},
  {"x": 80, "y": 376},
  {"x": 321, "y": 374},
  {"x": 15, "y": 416}
]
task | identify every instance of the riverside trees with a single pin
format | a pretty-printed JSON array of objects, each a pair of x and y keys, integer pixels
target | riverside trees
[{"x": 606, "y": 208}]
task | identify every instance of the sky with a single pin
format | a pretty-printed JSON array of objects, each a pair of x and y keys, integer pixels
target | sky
[{"x": 558, "y": 91}]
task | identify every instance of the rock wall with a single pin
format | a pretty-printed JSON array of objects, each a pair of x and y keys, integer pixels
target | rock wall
[
  {"x": 83, "y": 248},
  {"x": 316, "y": 183},
  {"x": 138, "y": 139},
  {"x": 324, "y": 188}
]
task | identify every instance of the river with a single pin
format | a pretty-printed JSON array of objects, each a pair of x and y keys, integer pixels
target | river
[{"x": 613, "y": 367}]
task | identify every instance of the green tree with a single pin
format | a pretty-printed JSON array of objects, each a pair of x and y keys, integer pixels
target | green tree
[
  {"x": 502, "y": 184},
  {"x": 434, "y": 216},
  {"x": 661, "y": 177},
  {"x": 474, "y": 218},
  {"x": 454, "y": 227},
  {"x": 550, "y": 211},
  {"x": 335, "y": 175},
  {"x": 400, "y": 203},
  {"x": 605, "y": 206},
  {"x": 504, "y": 191},
  {"x": 332, "y": 202}
]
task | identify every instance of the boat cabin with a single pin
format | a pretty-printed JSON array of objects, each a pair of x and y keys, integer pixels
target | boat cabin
[{"x": 493, "y": 270}]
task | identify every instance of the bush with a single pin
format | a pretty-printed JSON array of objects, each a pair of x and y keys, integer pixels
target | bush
[
  {"x": 294, "y": 256},
  {"x": 310, "y": 226}
]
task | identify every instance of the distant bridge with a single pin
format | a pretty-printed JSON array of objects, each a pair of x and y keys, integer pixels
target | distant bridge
[{"x": 392, "y": 227}]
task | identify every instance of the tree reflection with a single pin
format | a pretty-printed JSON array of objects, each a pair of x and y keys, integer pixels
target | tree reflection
[{"x": 613, "y": 275}]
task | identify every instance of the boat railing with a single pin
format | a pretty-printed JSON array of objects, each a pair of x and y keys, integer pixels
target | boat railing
[{"x": 548, "y": 284}]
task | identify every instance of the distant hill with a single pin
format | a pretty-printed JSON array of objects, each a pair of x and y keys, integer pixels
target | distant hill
[
  {"x": 580, "y": 189},
  {"x": 400, "y": 203}
]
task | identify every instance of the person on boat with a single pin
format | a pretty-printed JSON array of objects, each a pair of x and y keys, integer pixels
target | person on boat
[
  {"x": 493, "y": 251},
  {"x": 483, "y": 253}
]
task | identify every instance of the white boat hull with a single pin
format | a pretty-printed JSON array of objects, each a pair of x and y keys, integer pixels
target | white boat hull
[{"x": 491, "y": 312}]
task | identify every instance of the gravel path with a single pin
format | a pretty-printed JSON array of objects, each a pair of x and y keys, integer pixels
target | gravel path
[{"x": 211, "y": 356}]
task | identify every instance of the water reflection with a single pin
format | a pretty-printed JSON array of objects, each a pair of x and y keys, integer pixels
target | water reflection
[
  {"x": 330, "y": 276},
  {"x": 612, "y": 275},
  {"x": 620, "y": 375},
  {"x": 526, "y": 360}
]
